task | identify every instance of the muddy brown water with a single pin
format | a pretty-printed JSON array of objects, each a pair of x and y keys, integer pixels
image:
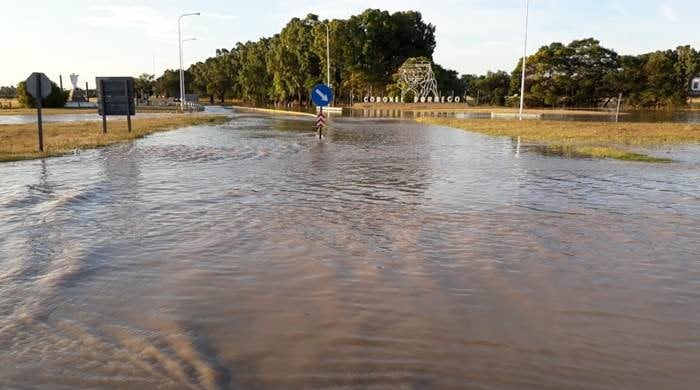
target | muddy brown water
[
  {"x": 673, "y": 116},
  {"x": 389, "y": 255}
]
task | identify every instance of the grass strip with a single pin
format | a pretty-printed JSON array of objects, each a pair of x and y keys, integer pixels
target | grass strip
[
  {"x": 19, "y": 142},
  {"x": 584, "y": 139}
]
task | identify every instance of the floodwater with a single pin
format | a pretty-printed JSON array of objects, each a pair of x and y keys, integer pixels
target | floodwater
[
  {"x": 679, "y": 116},
  {"x": 22, "y": 119},
  {"x": 389, "y": 255}
]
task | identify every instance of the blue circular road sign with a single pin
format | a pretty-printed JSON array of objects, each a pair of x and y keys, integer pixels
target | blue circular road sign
[{"x": 322, "y": 95}]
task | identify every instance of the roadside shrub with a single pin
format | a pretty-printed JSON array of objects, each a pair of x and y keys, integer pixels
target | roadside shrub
[{"x": 56, "y": 99}]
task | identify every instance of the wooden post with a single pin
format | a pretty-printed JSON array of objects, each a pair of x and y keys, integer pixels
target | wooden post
[
  {"x": 104, "y": 111},
  {"x": 128, "y": 105},
  {"x": 87, "y": 95},
  {"x": 617, "y": 113},
  {"x": 38, "y": 112}
]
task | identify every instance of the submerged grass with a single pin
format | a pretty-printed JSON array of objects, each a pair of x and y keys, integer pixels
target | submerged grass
[
  {"x": 584, "y": 139},
  {"x": 19, "y": 142}
]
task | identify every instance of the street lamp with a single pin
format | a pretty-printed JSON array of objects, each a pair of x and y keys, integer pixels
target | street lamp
[
  {"x": 328, "y": 49},
  {"x": 182, "y": 91},
  {"x": 522, "y": 81},
  {"x": 182, "y": 71}
]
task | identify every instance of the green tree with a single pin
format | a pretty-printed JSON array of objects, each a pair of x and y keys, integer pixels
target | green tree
[
  {"x": 253, "y": 75},
  {"x": 686, "y": 67},
  {"x": 365, "y": 52},
  {"x": 581, "y": 73},
  {"x": 448, "y": 81},
  {"x": 8, "y": 92},
  {"x": 168, "y": 85},
  {"x": 295, "y": 68},
  {"x": 145, "y": 85},
  {"x": 492, "y": 88},
  {"x": 56, "y": 99},
  {"x": 661, "y": 88}
]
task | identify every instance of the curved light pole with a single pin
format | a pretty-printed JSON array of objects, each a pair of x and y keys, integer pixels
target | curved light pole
[
  {"x": 183, "y": 103},
  {"x": 522, "y": 81},
  {"x": 328, "y": 49},
  {"x": 182, "y": 71}
]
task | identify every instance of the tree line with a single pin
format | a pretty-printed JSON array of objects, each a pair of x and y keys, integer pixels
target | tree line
[
  {"x": 367, "y": 50},
  {"x": 8, "y": 92},
  {"x": 586, "y": 74}
]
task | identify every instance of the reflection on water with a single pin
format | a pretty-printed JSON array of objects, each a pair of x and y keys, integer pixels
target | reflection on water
[
  {"x": 390, "y": 255},
  {"x": 631, "y": 116},
  {"x": 22, "y": 119}
]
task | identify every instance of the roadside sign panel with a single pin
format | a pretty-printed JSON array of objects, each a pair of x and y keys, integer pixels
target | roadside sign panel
[
  {"x": 116, "y": 96},
  {"x": 38, "y": 85},
  {"x": 322, "y": 95}
]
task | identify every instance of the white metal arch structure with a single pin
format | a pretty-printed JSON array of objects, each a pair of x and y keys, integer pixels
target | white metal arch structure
[{"x": 418, "y": 77}]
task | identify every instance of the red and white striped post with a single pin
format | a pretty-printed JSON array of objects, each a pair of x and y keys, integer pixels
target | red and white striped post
[{"x": 320, "y": 123}]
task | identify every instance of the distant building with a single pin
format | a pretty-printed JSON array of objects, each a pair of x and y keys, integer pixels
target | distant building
[{"x": 695, "y": 87}]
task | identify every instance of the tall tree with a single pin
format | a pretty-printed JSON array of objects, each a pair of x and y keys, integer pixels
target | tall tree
[{"x": 145, "y": 85}]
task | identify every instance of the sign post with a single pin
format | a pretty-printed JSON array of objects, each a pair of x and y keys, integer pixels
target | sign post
[
  {"x": 322, "y": 96},
  {"x": 101, "y": 87},
  {"x": 128, "y": 107},
  {"x": 39, "y": 86},
  {"x": 116, "y": 95},
  {"x": 320, "y": 123}
]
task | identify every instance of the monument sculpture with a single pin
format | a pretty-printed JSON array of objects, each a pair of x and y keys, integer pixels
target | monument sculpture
[
  {"x": 417, "y": 76},
  {"x": 76, "y": 94}
]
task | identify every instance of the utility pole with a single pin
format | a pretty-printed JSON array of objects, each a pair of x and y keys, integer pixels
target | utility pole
[
  {"x": 522, "y": 81},
  {"x": 182, "y": 71},
  {"x": 328, "y": 54},
  {"x": 328, "y": 48},
  {"x": 617, "y": 112}
]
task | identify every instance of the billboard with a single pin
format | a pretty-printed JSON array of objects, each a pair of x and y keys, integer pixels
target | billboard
[{"x": 115, "y": 96}]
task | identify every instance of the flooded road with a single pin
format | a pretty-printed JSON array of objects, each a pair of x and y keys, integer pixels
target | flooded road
[
  {"x": 390, "y": 255},
  {"x": 673, "y": 116},
  {"x": 62, "y": 118}
]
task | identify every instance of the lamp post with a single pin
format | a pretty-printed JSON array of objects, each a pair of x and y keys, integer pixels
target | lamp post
[
  {"x": 522, "y": 81},
  {"x": 328, "y": 49},
  {"x": 183, "y": 93},
  {"x": 182, "y": 71}
]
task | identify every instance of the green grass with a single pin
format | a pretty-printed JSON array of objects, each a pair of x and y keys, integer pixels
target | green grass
[
  {"x": 584, "y": 139},
  {"x": 602, "y": 152},
  {"x": 19, "y": 142}
]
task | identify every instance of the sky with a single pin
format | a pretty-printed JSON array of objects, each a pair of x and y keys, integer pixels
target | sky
[{"x": 130, "y": 37}]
